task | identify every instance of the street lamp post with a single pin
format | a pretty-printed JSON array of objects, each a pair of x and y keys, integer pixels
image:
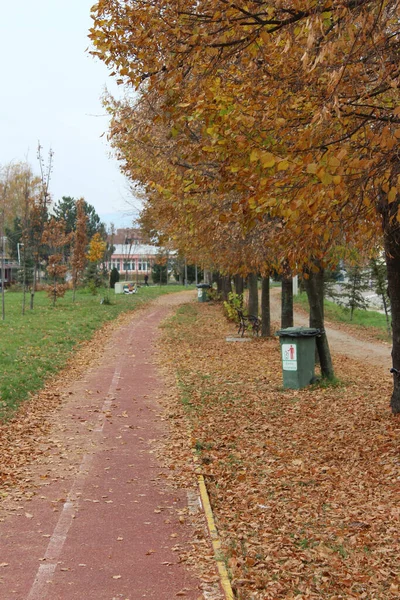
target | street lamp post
[{"x": 19, "y": 253}]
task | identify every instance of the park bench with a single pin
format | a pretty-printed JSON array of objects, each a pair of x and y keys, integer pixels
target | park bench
[
  {"x": 247, "y": 322},
  {"x": 130, "y": 288}
]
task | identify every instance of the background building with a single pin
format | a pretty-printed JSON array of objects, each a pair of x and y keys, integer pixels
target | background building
[{"x": 132, "y": 256}]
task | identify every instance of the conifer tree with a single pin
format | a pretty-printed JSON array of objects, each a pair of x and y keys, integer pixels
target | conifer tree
[
  {"x": 352, "y": 290},
  {"x": 79, "y": 244},
  {"x": 380, "y": 284}
]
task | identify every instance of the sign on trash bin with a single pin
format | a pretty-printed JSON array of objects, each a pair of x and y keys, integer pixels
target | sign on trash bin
[{"x": 289, "y": 357}]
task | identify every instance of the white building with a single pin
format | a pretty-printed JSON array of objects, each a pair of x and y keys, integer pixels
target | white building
[{"x": 135, "y": 259}]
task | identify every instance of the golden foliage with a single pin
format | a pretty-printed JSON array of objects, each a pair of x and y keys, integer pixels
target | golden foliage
[
  {"x": 290, "y": 110},
  {"x": 97, "y": 247}
]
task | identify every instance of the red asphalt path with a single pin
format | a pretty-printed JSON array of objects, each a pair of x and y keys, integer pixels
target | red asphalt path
[{"x": 103, "y": 525}]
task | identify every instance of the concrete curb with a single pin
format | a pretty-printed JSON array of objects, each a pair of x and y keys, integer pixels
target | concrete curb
[{"x": 216, "y": 542}]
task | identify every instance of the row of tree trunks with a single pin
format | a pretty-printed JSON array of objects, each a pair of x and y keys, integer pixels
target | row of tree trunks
[
  {"x": 315, "y": 292},
  {"x": 224, "y": 286},
  {"x": 314, "y": 284}
]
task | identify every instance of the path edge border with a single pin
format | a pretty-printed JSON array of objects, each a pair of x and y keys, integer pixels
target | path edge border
[{"x": 215, "y": 539}]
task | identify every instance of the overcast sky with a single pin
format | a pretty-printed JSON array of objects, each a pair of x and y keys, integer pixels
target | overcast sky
[{"x": 50, "y": 91}]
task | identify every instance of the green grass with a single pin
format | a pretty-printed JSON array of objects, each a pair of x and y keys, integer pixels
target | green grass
[
  {"x": 37, "y": 345},
  {"x": 184, "y": 315},
  {"x": 361, "y": 318}
]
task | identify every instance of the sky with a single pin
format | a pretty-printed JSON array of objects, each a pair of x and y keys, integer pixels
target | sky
[{"x": 51, "y": 92}]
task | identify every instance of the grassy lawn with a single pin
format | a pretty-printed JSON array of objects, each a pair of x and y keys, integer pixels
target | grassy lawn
[
  {"x": 37, "y": 345},
  {"x": 361, "y": 318}
]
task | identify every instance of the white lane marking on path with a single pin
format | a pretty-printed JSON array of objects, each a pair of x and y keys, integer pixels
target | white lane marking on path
[
  {"x": 45, "y": 573},
  {"x": 151, "y": 315}
]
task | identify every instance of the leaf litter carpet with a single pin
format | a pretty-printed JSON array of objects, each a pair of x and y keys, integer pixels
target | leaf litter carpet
[{"x": 304, "y": 484}]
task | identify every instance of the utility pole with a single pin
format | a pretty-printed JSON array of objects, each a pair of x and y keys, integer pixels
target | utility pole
[{"x": 3, "y": 264}]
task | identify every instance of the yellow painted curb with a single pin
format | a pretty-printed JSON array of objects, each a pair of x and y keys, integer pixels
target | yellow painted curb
[{"x": 216, "y": 543}]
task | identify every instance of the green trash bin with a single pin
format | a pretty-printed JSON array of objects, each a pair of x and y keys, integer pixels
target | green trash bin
[
  {"x": 202, "y": 289},
  {"x": 298, "y": 356}
]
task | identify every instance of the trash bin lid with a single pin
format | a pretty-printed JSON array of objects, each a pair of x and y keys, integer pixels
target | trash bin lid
[
  {"x": 203, "y": 285},
  {"x": 298, "y": 332}
]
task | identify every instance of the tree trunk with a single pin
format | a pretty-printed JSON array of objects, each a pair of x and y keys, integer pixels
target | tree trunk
[
  {"x": 239, "y": 284},
  {"x": 392, "y": 249},
  {"x": 391, "y": 234},
  {"x": 252, "y": 306},
  {"x": 265, "y": 308},
  {"x": 314, "y": 285},
  {"x": 287, "y": 302},
  {"x": 226, "y": 286},
  {"x": 218, "y": 280}
]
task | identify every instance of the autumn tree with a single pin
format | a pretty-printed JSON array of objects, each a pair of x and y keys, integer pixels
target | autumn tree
[
  {"x": 216, "y": 230},
  {"x": 155, "y": 161},
  {"x": 16, "y": 175},
  {"x": 55, "y": 238},
  {"x": 15, "y": 180},
  {"x": 95, "y": 254},
  {"x": 295, "y": 110}
]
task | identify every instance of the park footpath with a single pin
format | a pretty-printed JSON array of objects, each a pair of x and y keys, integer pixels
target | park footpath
[{"x": 103, "y": 522}]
